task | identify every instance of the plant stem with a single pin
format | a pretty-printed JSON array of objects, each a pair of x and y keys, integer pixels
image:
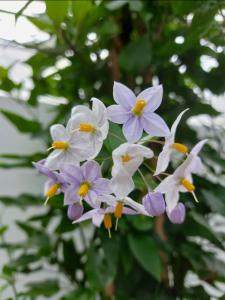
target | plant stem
[{"x": 144, "y": 180}]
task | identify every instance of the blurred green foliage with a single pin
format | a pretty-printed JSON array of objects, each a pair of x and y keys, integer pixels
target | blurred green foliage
[{"x": 133, "y": 42}]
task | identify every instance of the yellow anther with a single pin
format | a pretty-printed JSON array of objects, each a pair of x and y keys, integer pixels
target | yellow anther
[
  {"x": 188, "y": 185},
  {"x": 52, "y": 190},
  {"x": 84, "y": 188},
  {"x": 107, "y": 221},
  {"x": 86, "y": 127},
  {"x": 139, "y": 106},
  {"x": 125, "y": 158},
  {"x": 180, "y": 148},
  {"x": 60, "y": 145},
  {"x": 118, "y": 210}
]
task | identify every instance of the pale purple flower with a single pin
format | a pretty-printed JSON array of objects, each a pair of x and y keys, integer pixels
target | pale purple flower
[
  {"x": 97, "y": 214},
  {"x": 86, "y": 183},
  {"x": 75, "y": 211},
  {"x": 177, "y": 215},
  {"x": 136, "y": 113},
  {"x": 53, "y": 177},
  {"x": 154, "y": 203}
]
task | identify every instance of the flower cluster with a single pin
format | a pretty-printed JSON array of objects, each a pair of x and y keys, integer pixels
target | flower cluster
[{"x": 71, "y": 167}]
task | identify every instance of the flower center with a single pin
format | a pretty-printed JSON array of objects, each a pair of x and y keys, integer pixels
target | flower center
[
  {"x": 188, "y": 185},
  {"x": 180, "y": 148},
  {"x": 60, "y": 145},
  {"x": 125, "y": 158},
  {"x": 52, "y": 190},
  {"x": 107, "y": 221},
  {"x": 84, "y": 188},
  {"x": 138, "y": 107},
  {"x": 86, "y": 127},
  {"x": 118, "y": 210}
]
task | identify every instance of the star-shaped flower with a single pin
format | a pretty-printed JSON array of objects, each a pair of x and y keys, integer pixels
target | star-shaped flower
[
  {"x": 91, "y": 125},
  {"x": 169, "y": 146},
  {"x": 86, "y": 183},
  {"x": 181, "y": 179},
  {"x": 137, "y": 113}
]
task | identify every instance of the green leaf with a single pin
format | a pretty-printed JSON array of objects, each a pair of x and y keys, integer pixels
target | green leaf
[
  {"x": 81, "y": 9},
  {"x": 136, "y": 56},
  {"x": 57, "y": 10},
  {"x": 45, "y": 288},
  {"x": 22, "y": 124},
  {"x": 42, "y": 22},
  {"x": 147, "y": 254}
]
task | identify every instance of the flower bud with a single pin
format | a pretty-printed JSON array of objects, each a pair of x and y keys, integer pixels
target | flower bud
[
  {"x": 75, "y": 211},
  {"x": 177, "y": 215},
  {"x": 154, "y": 203}
]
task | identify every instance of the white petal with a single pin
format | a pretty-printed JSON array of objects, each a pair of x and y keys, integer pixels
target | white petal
[
  {"x": 163, "y": 160},
  {"x": 80, "y": 109},
  {"x": 136, "y": 206},
  {"x": 132, "y": 129},
  {"x": 153, "y": 96},
  {"x": 172, "y": 198},
  {"x": 99, "y": 111},
  {"x": 122, "y": 185},
  {"x": 177, "y": 121},
  {"x": 198, "y": 147},
  {"x": 59, "y": 133},
  {"x": 165, "y": 185},
  {"x": 123, "y": 95}
]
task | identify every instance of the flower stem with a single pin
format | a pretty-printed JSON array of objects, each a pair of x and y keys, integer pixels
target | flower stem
[
  {"x": 144, "y": 180},
  {"x": 116, "y": 136}
]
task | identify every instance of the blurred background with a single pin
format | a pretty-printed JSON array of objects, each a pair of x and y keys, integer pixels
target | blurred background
[{"x": 56, "y": 54}]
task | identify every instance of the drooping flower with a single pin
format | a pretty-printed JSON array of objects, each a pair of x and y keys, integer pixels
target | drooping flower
[
  {"x": 177, "y": 215},
  {"x": 99, "y": 215},
  {"x": 67, "y": 149},
  {"x": 86, "y": 183},
  {"x": 137, "y": 113},
  {"x": 91, "y": 125},
  {"x": 55, "y": 183},
  {"x": 169, "y": 146},
  {"x": 181, "y": 180},
  {"x": 75, "y": 211},
  {"x": 129, "y": 157},
  {"x": 154, "y": 203}
]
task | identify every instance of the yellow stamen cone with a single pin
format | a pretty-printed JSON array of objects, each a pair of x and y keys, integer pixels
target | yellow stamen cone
[
  {"x": 188, "y": 185},
  {"x": 118, "y": 212},
  {"x": 86, "y": 127},
  {"x": 51, "y": 192},
  {"x": 58, "y": 145},
  {"x": 139, "y": 106},
  {"x": 83, "y": 190},
  {"x": 125, "y": 158},
  {"x": 108, "y": 223},
  {"x": 180, "y": 148}
]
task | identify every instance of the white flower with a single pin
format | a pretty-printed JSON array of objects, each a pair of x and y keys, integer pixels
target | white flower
[
  {"x": 181, "y": 180},
  {"x": 169, "y": 146},
  {"x": 91, "y": 125},
  {"x": 67, "y": 148},
  {"x": 128, "y": 157},
  {"x": 126, "y": 160}
]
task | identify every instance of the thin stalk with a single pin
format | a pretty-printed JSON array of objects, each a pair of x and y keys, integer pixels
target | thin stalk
[
  {"x": 144, "y": 180},
  {"x": 116, "y": 136}
]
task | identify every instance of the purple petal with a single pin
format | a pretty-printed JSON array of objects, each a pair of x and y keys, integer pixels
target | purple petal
[
  {"x": 72, "y": 174},
  {"x": 58, "y": 132},
  {"x": 177, "y": 215},
  {"x": 118, "y": 114},
  {"x": 75, "y": 211},
  {"x": 154, "y": 125},
  {"x": 88, "y": 215},
  {"x": 123, "y": 95},
  {"x": 91, "y": 170},
  {"x": 133, "y": 129},
  {"x": 154, "y": 203},
  {"x": 71, "y": 195},
  {"x": 101, "y": 186},
  {"x": 91, "y": 199},
  {"x": 153, "y": 97},
  {"x": 45, "y": 170}
]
